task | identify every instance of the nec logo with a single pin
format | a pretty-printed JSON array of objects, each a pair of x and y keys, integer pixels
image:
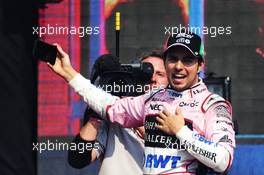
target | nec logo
[{"x": 156, "y": 107}]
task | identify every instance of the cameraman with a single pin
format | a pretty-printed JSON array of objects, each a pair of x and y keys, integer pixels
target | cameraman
[{"x": 121, "y": 150}]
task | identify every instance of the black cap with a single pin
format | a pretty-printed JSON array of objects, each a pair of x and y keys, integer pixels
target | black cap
[{"x": 188, "y": 40}]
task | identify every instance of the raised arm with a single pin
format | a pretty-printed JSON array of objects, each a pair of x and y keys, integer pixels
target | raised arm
[
  {"x": 96, "y": 98},
  {"x": 128, "y": 112}
]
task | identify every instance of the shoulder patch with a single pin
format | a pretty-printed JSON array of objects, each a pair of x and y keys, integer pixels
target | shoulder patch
[{"x": 210, "y": 100}]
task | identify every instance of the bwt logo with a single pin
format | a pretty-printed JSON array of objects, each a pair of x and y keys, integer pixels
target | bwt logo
[
  {"x": 153, "y": 160},
  {"x": 156, "y": 107},
  {"x": 174, "y": 94},
  {"x": 202, "y": 139}
]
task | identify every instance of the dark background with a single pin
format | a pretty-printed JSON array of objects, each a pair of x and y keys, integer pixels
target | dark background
[
  {"x": 18, "y": 92},
  {"x": 235, "y": 56}
]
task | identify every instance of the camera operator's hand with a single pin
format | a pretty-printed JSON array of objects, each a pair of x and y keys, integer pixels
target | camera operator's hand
[
  {"x": 89, "y": 130},
  {"x": 140, "y": 131},
  {"x": 170, "y": 123},
  {"x": 63, "y": 65}
]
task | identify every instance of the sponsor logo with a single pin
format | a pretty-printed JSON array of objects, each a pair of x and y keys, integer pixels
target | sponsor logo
[
  {"x": 157, "y": 139},
  {"x": 210, "y": 100},
  {"x": 192, "y": 104},
  {"x": 184, "y": 35},
  {"x": 226, "y": 139},
  {"x": 150, "y": 125},
  {"x": 161, "y": 161},
  {"x": 175, "y": 94},
  {"x": 222, "y": 115},
  {"x": 157, "y": 99},
  {"x": 202, "y": 139},
  {"x": 156, "y": 107},
  {"x": 202, "y": 152},
  {"x": 197, "y": 91},
  {"x": 224, "y": 129},
  {"x": 183, "y": 40},
  {"x": 222, "y": 109},
  {"x": 226, "y": 122},
  {"x": 213, "y": 99}
]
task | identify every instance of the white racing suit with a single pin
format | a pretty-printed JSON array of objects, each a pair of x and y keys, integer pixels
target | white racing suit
[{"x": 208, "y": 135}]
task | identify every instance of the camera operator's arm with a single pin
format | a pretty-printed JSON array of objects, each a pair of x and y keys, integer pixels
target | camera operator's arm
[
  {"x": 80, "y": 158},
  {"x": 96, "y": 98}
]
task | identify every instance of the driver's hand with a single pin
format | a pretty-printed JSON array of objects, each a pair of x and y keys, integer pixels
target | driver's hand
[{"x": 62, "y": 65}]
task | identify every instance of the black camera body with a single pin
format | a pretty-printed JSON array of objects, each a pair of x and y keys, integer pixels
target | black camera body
[{"x": 127, "y": 79}]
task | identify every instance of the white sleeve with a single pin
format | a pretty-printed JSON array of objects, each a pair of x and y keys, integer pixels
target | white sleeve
[
  {"x": 208, "y": 152},
  {"x": 96, "y": 98}
]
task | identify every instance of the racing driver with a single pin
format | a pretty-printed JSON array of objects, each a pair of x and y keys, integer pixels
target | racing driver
[{"x": 184, "y": 123}]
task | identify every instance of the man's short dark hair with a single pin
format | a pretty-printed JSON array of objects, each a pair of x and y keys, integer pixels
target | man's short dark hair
[{"x": 154, "y": 53}]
